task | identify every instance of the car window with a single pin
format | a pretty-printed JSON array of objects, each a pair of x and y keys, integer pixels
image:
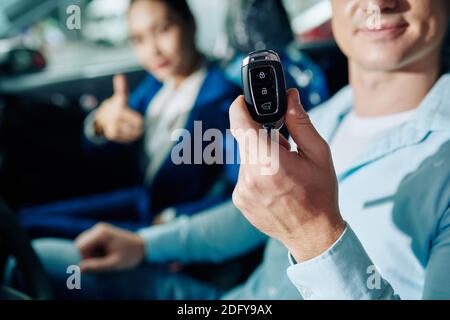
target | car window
[{"x": 97, "y": 44}]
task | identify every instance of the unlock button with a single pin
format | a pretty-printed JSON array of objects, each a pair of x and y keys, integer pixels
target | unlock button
[{"x": 264, "y": 91}]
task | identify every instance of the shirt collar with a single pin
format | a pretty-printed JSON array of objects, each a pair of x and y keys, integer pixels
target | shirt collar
[{"x": 433, "y": 114}]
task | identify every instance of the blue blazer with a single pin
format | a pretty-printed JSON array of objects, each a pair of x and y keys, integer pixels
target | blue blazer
[
  {"x": 177, "y": 184},
  {"x": 184, "y": 187}
]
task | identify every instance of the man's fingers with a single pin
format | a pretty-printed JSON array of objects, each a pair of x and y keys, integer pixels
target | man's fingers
[
  {"x": 298, "y": 123},
  {"x": 99, "y": 264},
  {"x": 240, "y": 118},
  {"x": 244, "y": 130},
  {"x": 121, "y": 89},
  {"x": 90, "y": 241},
  {"x": 284, "y": 142},
  {"x": 253, "y": 141}
]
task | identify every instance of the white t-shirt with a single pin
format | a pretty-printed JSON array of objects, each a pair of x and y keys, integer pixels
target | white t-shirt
[
  {"x": 169, "y": 110},
  {"x": 355, "y": 133}
]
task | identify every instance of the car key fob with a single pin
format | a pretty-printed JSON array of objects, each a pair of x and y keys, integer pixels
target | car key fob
[{"x": 264, "y": 88}]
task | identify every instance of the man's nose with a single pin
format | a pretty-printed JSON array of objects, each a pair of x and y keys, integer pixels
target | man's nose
[{"x": 383, "y": 5}]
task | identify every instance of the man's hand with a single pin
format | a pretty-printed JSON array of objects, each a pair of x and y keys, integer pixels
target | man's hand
[
  {"x": 115, "y": 120},
  {"x": 107, "y": 248},
  {"x": 298, "y": 204}
]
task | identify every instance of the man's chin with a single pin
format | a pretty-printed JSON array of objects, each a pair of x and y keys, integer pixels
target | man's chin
[
  {"x": 377, "y": 57},
  {"x": 380, "y": 64}
]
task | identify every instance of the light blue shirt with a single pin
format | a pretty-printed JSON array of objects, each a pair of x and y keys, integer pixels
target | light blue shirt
[{"x": 395, "y": 199}]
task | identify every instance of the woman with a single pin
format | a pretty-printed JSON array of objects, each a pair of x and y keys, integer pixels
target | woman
[{"x": 181, "y": 87}]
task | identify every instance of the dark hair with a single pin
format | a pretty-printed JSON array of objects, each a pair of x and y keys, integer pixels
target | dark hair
[
  {"x": 255, "y": 23},
  {"x": 179, "y": 7}
]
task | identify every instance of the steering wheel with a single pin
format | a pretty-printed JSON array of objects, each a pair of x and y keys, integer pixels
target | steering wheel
[{"x": 15, "y": 243}]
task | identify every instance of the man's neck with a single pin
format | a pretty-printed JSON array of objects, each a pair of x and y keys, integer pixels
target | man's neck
[{"x": 378, "y": 93}]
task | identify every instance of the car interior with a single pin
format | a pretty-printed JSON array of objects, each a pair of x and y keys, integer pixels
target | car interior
[{"x": 52, "y": 77}]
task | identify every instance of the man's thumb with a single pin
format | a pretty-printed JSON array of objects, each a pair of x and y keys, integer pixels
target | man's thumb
[
  {"x": 298, "y": 123},
  {"x": 121, "y": 88},
  {"x": 98, "y": 264}
]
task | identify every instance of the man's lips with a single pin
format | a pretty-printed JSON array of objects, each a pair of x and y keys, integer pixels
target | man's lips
[{"x": 384, "y": 31}]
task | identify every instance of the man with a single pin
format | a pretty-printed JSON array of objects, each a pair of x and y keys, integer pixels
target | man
[
  {"x": 386, "y": 235},
  {"x": 390, "y": 140}
]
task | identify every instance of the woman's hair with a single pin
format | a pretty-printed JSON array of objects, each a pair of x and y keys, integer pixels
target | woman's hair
[
  {"x": 179, "y": 8},
  {"x": 258, "y": 24}
]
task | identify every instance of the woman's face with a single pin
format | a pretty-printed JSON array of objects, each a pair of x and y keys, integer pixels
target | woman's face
[
  {"x": 163, "y": 43},
  {"x": 404, "y": 31}
]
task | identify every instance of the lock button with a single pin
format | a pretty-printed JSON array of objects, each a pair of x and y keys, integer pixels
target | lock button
[
  {"x": 262, "y": 74},
  {"x": 264, "y": 91}
]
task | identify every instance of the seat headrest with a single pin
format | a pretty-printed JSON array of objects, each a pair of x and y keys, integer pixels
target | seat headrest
[{"x": 446, "y": 51}]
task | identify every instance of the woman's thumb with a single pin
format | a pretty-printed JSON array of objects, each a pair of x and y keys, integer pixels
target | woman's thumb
[{"x": 120, "y": 87}]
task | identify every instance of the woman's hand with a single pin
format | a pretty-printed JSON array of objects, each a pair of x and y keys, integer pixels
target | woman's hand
[
  {"x": 115, "y": 120},
  {"x": 107, "y": 248},
  {"x": 298, "y": 203}
]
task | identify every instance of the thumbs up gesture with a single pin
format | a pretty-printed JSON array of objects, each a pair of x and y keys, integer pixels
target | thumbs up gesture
[
  {"x": 298, "y": 203},
  {"x": 114, "y": 119}
]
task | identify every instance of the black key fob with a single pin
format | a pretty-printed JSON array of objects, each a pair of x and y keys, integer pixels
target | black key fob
[{"x": 265, "y": 88}]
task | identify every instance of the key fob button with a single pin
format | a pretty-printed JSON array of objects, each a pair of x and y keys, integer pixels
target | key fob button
[
  {"x": 264, "y": 88},
  {"x": 264, "y": 91},
  {"x": 262, "y": 74},
  {"x": 267, "y": 106}
]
